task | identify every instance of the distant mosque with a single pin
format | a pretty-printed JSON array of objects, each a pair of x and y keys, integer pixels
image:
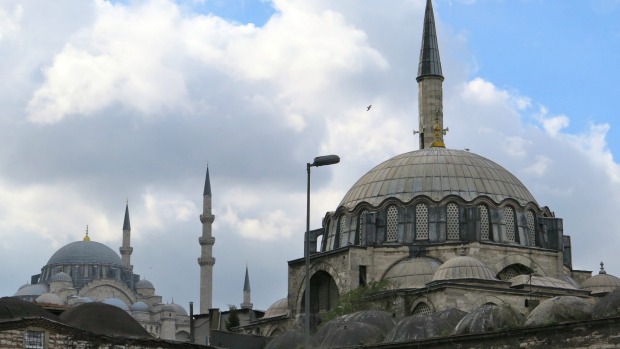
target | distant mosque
[{"x": 88, "y": 271}]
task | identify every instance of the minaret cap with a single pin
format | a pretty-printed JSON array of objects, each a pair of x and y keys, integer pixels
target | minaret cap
[
  {"x": 430, "y": 64},
  {"x": 207, "y": 190},
  {"x": 126, "y": 223}
]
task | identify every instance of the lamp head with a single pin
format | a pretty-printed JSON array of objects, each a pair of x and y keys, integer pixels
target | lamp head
[{"x": 325, "y": 160}]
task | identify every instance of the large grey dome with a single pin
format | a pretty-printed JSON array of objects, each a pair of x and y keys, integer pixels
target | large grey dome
[
  {"x": 85, "y": 252},
  {"x": 436, "y": 173}
]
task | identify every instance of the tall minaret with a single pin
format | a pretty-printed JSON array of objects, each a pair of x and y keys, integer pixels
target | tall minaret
[
  {"x": 126, "y": 249},
  {"x": 430, "y": 84},
  {"x": 206, "y": 260},
  {"x": 246, "y": 292}
]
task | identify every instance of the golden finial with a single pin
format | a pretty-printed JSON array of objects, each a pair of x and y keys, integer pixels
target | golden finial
[
  {"x": 438, "y": 142},
  {"x": 86, "y": 238}
]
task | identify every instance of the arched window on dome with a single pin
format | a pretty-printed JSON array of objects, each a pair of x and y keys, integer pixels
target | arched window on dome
[
  {"x": 391, "y": 234},
  {"x": 421, "y": 222},
  {"x": 331, "y": 235},
  {"x": 531, "y": 227},
  {"x": 422, "y": 308},
  {"x": 344, "y": 231},
  {"x": 452, "y": 220},
  {"x": 509, "y": 220},
  {"x": 485, "y": 227},
  {"x": 362, "y": 229}
]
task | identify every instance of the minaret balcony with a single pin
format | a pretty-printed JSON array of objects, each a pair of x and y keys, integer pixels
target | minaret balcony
[
  {"x": 207, "y": 218},
  {"x": 126, "y": 250},
  {"x": 206, "y": 261},
  {"x": 208, "y": 240}
]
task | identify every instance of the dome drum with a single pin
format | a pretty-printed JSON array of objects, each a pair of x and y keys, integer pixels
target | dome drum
[{"x": 451, "y": 220}]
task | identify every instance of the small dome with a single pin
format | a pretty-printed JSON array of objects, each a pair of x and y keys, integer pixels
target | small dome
[
  {"x": 169, "y": 308},
  {"x": 463, "y": 267},
  {"x": 62, "y": 277},
  {"x": 32, "y": 290},
  {"x": 22, "y": 286},
  {"x": 140, "y": 306},
  {"x": 279, "y": 308},
  {"x": 489, "y": 317},
  {"x": 49, "y": 298},
  {"x": 144, "y": 284},
  {"x": 602, "y": 283},
  {"x": 560, "y": 309},
  {"x": 412, "y": 272},
  {"x": 103, "y": 319},
  {"x": 117, "y": 303},
  {"x": 608, "y": 305},
  {"x": 436, "y": 173},
  {"x": 173, "y": 307},
  {"x": 288, "y": 340},
  {"x": 13, "y": 308},
  {"x": 352, "y": 334},
  {"x": 451, "y": 315},
  {"x": 418, "y": 327}
]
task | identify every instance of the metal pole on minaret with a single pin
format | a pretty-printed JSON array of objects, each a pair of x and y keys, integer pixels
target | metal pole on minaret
[
  {"x": 126, "y": 248},
  {"x": 430, "y": 84},
  {"x": 206, "y": 260}
]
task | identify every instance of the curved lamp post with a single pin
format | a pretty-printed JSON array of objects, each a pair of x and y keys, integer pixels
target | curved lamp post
[{"x": 318, "y": 161}]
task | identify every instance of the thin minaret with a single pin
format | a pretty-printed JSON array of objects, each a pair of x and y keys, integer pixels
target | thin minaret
[
  {"x": 247, "y": 304},
  {"x": 430, "y": 84},
  {"x": 126, "y": 249},
  {"x": 206, "y": 260}
]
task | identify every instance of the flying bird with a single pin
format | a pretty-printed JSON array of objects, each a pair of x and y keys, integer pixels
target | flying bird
[{"x": 368, "y": 107}]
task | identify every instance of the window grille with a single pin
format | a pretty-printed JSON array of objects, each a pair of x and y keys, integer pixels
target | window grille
[
  {"x": 362, "y": 231},
  {"x": 392, "y": 223},
  {"x": 452, "y": 216},
  {"x": 343, "y": 231},
  {"x": 509, "y": 218},
  {"x": 421, "y": 220},
  {"x": 34, "y": 340},
  {"x": 484, "y": 222},
  {"x": 422, "y": 308},
  {"x": 531, "y": 228}
]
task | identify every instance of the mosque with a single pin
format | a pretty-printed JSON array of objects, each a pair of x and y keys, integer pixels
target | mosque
[
  {"x": 449, "y": 229},
  {"x": 87, "y": 271}
]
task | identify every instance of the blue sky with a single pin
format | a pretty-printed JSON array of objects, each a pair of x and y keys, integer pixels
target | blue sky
[{"x": 131, "y": 100}]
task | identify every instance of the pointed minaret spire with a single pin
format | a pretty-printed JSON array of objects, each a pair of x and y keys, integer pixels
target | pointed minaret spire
[
  {"x": 126, "y": 248},
  {"x": 206, "y": 260},
  {"x": 207, "y": 190},
  {"x": 246, "y": 292},
  {"x": 430, "y": 83}
]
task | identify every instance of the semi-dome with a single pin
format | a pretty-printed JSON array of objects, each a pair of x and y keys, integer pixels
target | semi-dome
[
  {"x": 436, "y": 173},
  {"x": 85, "y": 252},
  {"x": 32, "y": 290},
  {"x": 278, "y": 308},
  {"x": 117, "y": 303},
  {"x": 463, "y": 267},
  {"x": 61, "y": 277},
  {"x": 140, "y": 306},
  {"x": 412, "y": 272}
]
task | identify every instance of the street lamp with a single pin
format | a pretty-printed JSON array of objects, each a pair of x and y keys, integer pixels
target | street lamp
[{"x": 318, "y": 161}]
